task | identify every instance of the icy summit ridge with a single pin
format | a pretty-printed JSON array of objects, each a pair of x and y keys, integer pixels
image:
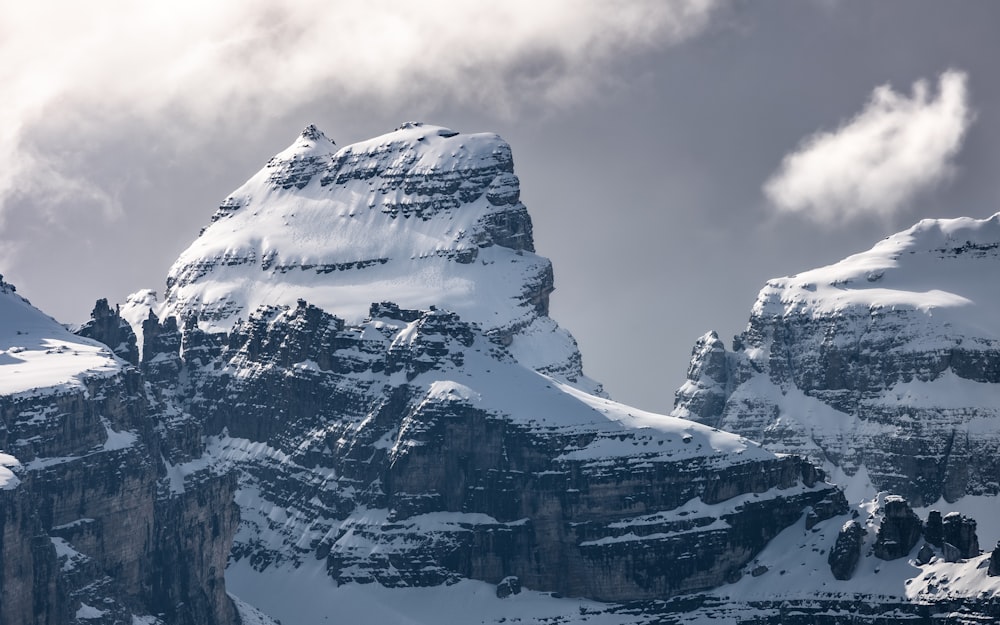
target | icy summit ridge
[
  {"x": 904, "y": 269},
  {"x": 422, "y": 216}
]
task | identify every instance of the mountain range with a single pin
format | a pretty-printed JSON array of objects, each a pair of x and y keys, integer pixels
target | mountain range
[{"x": 350, "y": 404}]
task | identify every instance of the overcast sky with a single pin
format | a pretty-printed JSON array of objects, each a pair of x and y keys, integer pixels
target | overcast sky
[{"x": 673, "y": 155}]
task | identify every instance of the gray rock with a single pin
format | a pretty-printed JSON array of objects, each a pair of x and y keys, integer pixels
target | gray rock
[
  {"x": 105, "y": 505},
  {"x": 846, "y": 552},
  {"x": 925, "y": 554},
  {"x": 107, "y": 326},
  {"x": 934, "y": 528},
  {"x": 994, "y": 569},
  {"x": 950, "y": 552},
  {"x": 508, "y": 586},
  {"x": 899, "y": 531},
  {"x": 960, "y": 531}
]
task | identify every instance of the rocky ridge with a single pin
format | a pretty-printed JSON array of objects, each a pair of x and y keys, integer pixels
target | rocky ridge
[{"x": 884, "y": 367}]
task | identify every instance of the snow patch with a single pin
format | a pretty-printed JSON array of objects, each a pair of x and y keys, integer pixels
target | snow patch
[{"x": 8, "y": 480}]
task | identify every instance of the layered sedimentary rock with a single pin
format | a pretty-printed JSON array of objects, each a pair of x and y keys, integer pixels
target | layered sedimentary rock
[
  {"x": 89, "y": 528},
  {"x": 885, "y": 365},
  {"x": 414, "y": 450}
]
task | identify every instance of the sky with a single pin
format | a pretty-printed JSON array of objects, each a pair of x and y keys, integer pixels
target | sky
[{"x": 674, "y": 155}]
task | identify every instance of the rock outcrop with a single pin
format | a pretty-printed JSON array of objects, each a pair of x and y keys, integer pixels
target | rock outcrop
[
  {"x": 934, "y": 528},
  {"x": 108, "y": 327},
  {"x": 994, "y": 566},
  {"x": 959, "y": 530},
  {"x": 899, "y": 531},
  {"x": 846, "y": 552}
]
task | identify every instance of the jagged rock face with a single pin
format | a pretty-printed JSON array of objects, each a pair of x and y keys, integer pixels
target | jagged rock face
[
  {"x": 934, "y": 528},
  {"x": 900, "y": 530},
  {"x": 885, "y": 365},
  {"x": 83, "y": 518},
  {"x": 994, "y": 566},
  {"x": 846, "y": 552},
  {"x": 108, "y": 327},
  {"x": 960, "y": 531},
  {"x": 106, "y": 531},
  {"x": 397, "y": 453},
  {"x": 423, "y": 216}
]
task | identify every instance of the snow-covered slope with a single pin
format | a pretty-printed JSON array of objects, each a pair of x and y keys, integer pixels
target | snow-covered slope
[
  {"x": 422, "y": 216},
  {"x": 39, "y": 355},
  {"x": 941, "y": 271}
]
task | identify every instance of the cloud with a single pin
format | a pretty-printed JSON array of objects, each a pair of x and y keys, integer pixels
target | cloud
[
  {"x": 879, "y": 160},
  {"x": 76, "y": 73}
]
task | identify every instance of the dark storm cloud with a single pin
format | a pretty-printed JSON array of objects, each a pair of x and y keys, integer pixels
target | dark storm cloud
[{"x": 95, "y": 68}]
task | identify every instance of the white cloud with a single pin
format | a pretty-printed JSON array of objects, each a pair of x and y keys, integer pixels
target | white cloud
[
  {"x": 878, "y": 161},
  {"x": 83, "y": 69}
]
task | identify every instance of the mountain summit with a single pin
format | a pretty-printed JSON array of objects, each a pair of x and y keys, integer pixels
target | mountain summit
[
  {"x": 885, "y": 366},
  {"x": 422, "y": 216}
]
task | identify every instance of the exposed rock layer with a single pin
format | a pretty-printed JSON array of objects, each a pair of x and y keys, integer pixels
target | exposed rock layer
[{"x": 91, "y": 523}]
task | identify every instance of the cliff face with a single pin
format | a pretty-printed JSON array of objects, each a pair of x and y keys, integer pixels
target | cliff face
[
  {"x": 886, "y": 363},
  {"x": 395, "y": 452},
  {"x": 89, "y": 529}
]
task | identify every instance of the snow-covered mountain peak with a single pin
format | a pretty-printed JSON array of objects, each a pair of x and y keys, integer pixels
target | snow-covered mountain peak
[
  {"x": 885, "y": 365},
  {"x": 37, "y": 354},
  {"x": 312, "y": 133},
  {"x": 311, "y": 141},
  {"x": 422, "y": 216},
  {"x": 936, "y": 267}
]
